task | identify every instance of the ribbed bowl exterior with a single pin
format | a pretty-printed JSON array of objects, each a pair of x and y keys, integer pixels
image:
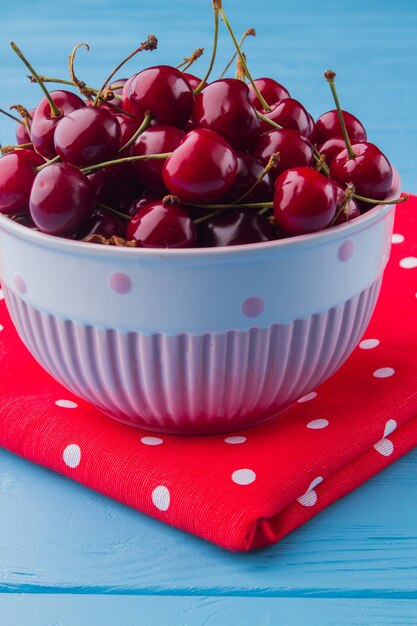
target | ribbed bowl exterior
[{"x": 192, "y": 384}]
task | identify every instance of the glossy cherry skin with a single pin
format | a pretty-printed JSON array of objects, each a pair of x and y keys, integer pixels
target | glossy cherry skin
[
  {"x": 102, "y": 223},
  {"x": 328, "y": 126},
  {"x": 42, "y": 129},
  {"x": 272, "y": 91},
  {"x": 17, "y": 173},
  {"x": 288, "y": 113},
  {"x": 87, "y": 136},
  {"x": 124, "y": 103},
  {"x": 224, "y": 107},
  {"x": 295, "y": 149},
  {"x": 353, "y": 210},
  {"x": 162, "y": 90},
  {"x": 369, "y": 171},
  {"x": 249, "y": 169},
  {"x": 61, "y": 200},
  {"x": 142, "y": 201},
  {"x": 233, "y": 228},
  {"x": 160, "y": 225},
  {"x": 304, "y": 201},
  {"x": 193, "y": 80},
  {"x": 155, "y": 140},
  {"x": 202, "y": 168},
  {"x": 331, "y": 148}
]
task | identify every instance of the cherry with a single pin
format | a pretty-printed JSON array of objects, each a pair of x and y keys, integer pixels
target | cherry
[
  {"x": 142, "y": 201},
  {"x": 128, "y": 127},
  {"x": 295, "y": 150},
  {"x": 22, "y": 135},
  {"x": 125, "y": 102},
  {"x": 17, "y": 173},
  {"x": 128, "y": 190},
  {"x": 288, "y": 113},
  {"x": 331, "y": 148},
  {"x": 202, "y": 168},
  {"x": 369, "y": 170},
  {"x": 235, "y": 227},
  {"x": 193, "y": 80},
  {"x": 249, "y": 170},
  {"x": 42, "y": 129},
  {"x": 328, "y": 126},
  {"x": 304, "y": 201},
  {"x": 224, "y": 107},
  {"x": 105, "y": 187},
  {"x": 87, "y": 136},
  {"x": 353, "y": 210},
  {"x": 162, "y": 90},
  {"x": 103, "y": 223},
  {"x": 61, "y": 200},
  {"x": 155, "y": 140},
  {"x": 159, "y": 225},
  {"x": 272, "y": 91}
]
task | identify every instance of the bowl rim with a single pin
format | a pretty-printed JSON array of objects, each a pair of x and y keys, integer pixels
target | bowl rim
[{"x": 339, "y": 231}]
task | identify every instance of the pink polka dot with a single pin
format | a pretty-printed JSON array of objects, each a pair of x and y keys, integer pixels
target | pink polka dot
[
  {"x": 346, "y": 250},
  {"x": 120, "y": 283},
  {"x": 20, "y": 284},
  {"x": 252, "y": 307}
]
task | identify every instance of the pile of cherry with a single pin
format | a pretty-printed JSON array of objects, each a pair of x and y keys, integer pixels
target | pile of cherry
[{"x": 165, "y": 159}]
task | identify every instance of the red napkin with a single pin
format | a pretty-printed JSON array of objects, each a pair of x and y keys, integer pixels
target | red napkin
[{"x": 250, "y": 488}]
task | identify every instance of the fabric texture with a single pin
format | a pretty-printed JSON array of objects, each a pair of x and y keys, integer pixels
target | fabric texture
[{"x": 250, "y": 488}]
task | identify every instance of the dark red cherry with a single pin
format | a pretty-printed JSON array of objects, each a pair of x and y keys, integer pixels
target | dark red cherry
[
  {"x": 22, "y": 135},
  {"x": 105, "y": 187},
  {"x": 164, "y": 92},
  {"x": 235, "y": 227},
  {"x": 369, "y": 171},
  {"x": 224, "y": 107},
  {"x": 42, "y": 129},
  {"x": 304, "y": 201},
  {"x": 295, "y": 150},
  {"x": 288, "y": 113},
  {"x": 125, "y": 101},
  {"x": 160, "y": 225},
  {"x": 142, "y": 201},
  {"x": 17, "y": 173},
  {"x": 331, "y": 148},
  {"x": 128, "y": 127},
  {"x": 87, "y": 136},
  {"x": 102, "y": 223},
  {"x": 353, "y": 210},
  {"x": 249, "y": 169},
  {"x": 271, "y": 90},
  {"x": 61, "y": 200},
  {"x": 129, "y": 190},
  {"x": 202, "y": 168},
  {"x": 328, "y": 126},
  {"x": 193, "y": 80},
  {"x": 155, "y": 140}
]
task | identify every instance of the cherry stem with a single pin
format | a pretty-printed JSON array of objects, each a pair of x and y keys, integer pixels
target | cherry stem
[
  {"x": 188, "y": 61},
  {"x": 240, "y": 70},
  {"x": 248, "y": 31},
  {"x": 51, "y": 162},
  {"x": 261, "y": 99},
  {"x": 150, "y": 44},
  {"x": 22, "y": 146},
  {"x": 273, "y": 161},
  {"x": 114, "y": 212},
  {"x": 55, "y": 112},
  {"x": 84, "y": 90},
  {"x": 12, "y": 117},
  {"x": 349, "y": 193},
  {"x": 97, "y": 166},
  {"x": 201, "y": 86},
  {"x": 373, "y": 201},
  {"x": 145, "y": 124},
  {"x": 317, "y": 155},
  {"x": 330, "y": 76},
  {"x": 220, "y": 207}
]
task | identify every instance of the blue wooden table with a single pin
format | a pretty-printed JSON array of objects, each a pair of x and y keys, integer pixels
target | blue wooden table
[{"x": 71, "y": 557}]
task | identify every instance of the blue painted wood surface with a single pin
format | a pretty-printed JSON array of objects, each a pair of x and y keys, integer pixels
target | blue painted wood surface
[{"x": 66, "y": 548}]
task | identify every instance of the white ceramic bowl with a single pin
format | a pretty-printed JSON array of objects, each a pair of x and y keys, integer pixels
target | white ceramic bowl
[{"x": 195, "y": 340}]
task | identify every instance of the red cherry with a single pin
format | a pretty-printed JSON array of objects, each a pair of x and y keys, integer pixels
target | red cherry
[
  {"x": 17, "y": 173},
  {"x": 142, "y": 201},
  {"x": 232, "y": 228},
  {"x": 102, "y": 223},
  {"x": 193, "y": 80},
  {"x": 202, "y": 168},
  {"x": 352, "y": 207},
  {"x": 22, "y": 135},
  {"x": 42, "y": 129},
  {"x": 61, "y": 200},
  {"x": 328, "y": 126},
  {"x": 105, "y": 187},
  {"x": 272, "y": 91},
  {"x": 164, "y": 92},
  {"x": 249, "y": 169},
  {"x": 331, "y": 148},
  {"x": 125, "y": 102},
  {"x": 304, "y": 201},
  {"x": 369, "y": 171},
  {"x": 160, "y": 225},
  {"x": 87, "y": 136},
  {"x": 295, "y": 150},
  {"x": 128, "y": 127},
  {"x": 224, "y": 107},
  {"x": 155, "y": 140},
  {"x": 288, "y": 113}
]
